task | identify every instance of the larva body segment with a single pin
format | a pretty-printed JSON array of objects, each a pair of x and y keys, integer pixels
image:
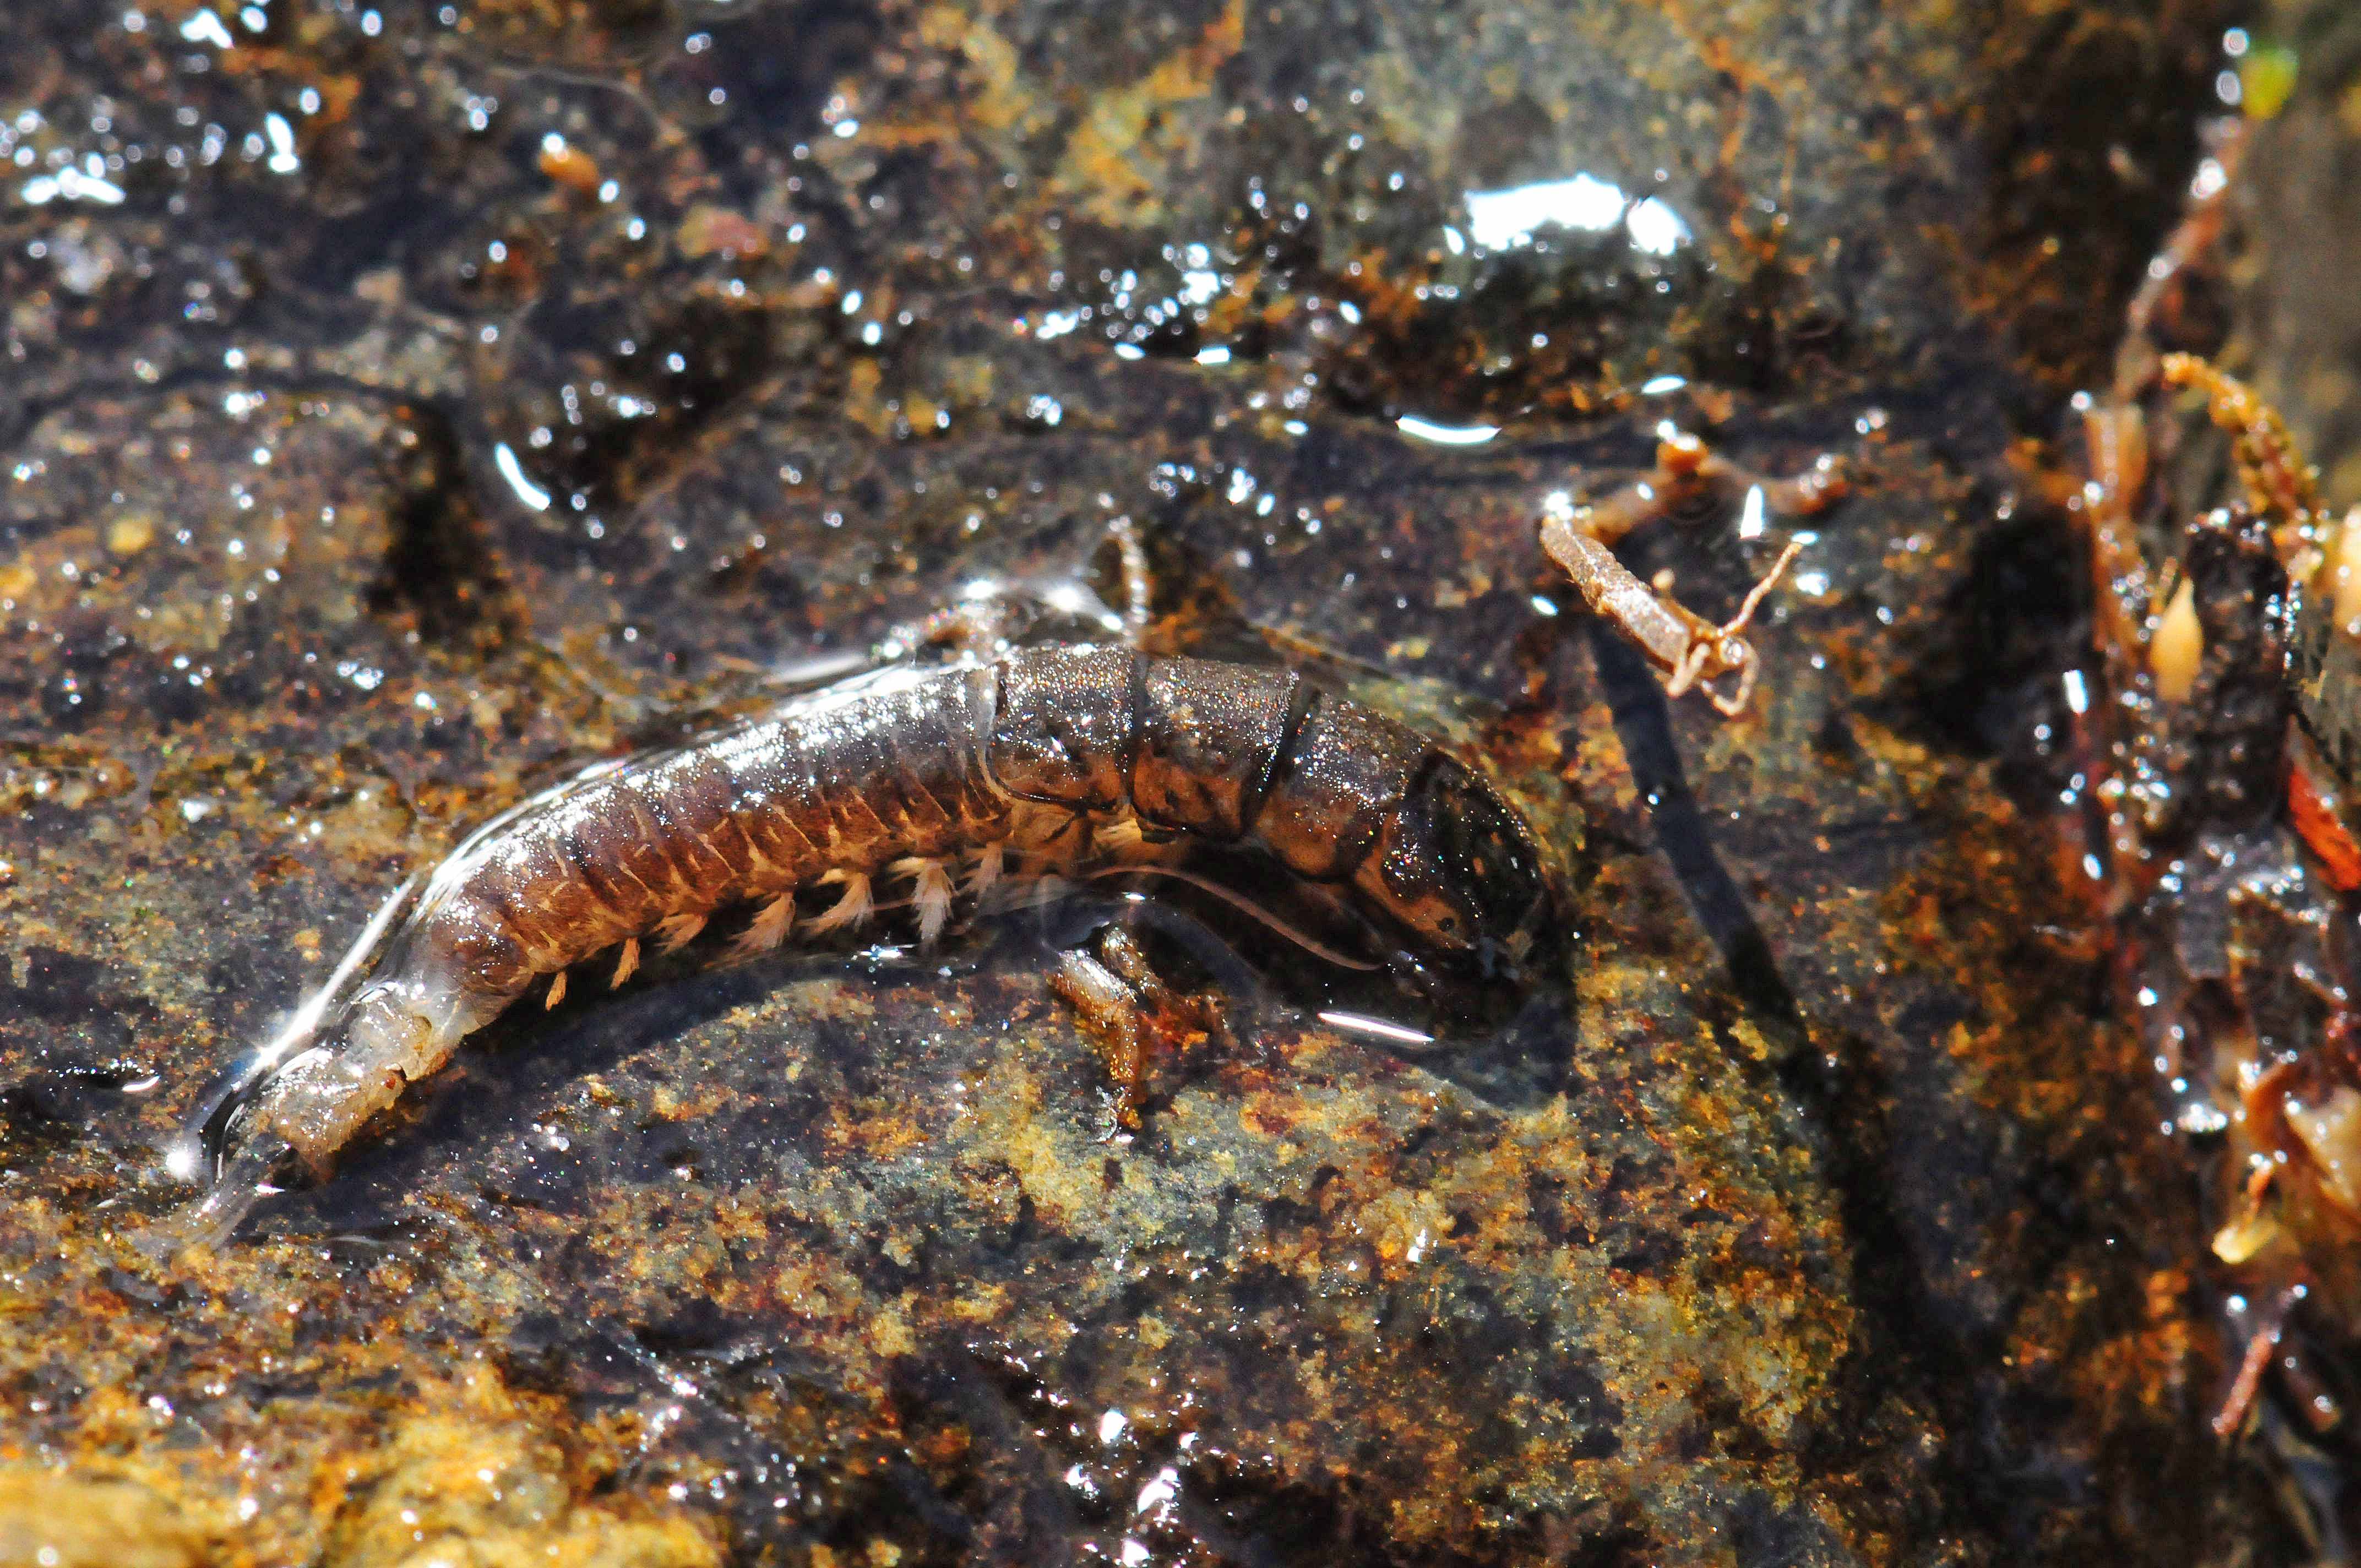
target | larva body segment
[{"x": 1044, "y": 759}]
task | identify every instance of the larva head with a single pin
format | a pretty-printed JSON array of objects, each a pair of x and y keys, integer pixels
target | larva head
[{"x": 1455, "y": 869}]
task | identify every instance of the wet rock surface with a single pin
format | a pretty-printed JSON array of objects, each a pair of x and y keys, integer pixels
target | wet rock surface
[{"x": 407, "y": 403}]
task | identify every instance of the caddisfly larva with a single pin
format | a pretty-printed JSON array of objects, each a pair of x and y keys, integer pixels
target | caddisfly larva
[
  {"x": 1690, "y": 650},
  {"x": 933, "y": 784}
]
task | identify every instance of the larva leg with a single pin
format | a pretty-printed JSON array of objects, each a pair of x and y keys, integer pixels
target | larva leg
[
  {"x": 556, "y": 991},
  {"x": 1109, "y": 1013},
  {"x": 626, "y": 963},
  {"x": 1070, "y": 845},
  {"x": 1120, "y": 836},
  {"x": 1131, "y": 1014}
]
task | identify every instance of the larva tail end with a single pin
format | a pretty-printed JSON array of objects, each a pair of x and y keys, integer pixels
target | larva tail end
[{"x": 210, "y": 1221}]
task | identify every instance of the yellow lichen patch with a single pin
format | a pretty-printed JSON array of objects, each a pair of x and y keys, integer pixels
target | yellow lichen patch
[
  {"x": 1064, "y": 1189},
  {"x": 879, "y": 1554},
  {"x": 861, "y": 403},
  {"x": 1128, "y": 129},
  {"x": 131, "y": 533},
  {"x": 477, "y": 1482},
  {"x": 981, "y": 1304},
  {"x": 889, "y": 1331},
  {"x": 880, "y": 1134},
  {"x": 995, "y": 100},
  {"x": 66, "y": 1521},
  {"x": 1406, "y": 1225}
]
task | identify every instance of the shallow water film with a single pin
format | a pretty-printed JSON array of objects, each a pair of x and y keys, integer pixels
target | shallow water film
[{"x": 408, "y": 404}]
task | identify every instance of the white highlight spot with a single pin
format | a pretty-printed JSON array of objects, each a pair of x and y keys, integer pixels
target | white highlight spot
[
  {"x": 204, "y": 28},
  {"x": 504, "y": 458},
  {"x": 1159, "y": 1492},
  {"x": 1501, "y": 220},
  {"x": 1446, "y": 434},
  {"x": 2078, "y": 693},
  {"x": 1656, "y": 228},
  {"x": 282, "y": 144},
  {"x": 1751, "y": 514},
  {"x": 1376, "y": 1029},
  {"x": 72, "y": 184}
]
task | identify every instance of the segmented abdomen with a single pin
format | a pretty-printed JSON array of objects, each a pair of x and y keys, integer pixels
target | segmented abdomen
[{"x": 849, "y": 782}]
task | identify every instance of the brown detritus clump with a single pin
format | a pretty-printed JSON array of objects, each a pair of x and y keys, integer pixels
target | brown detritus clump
[{"x": 2232, "y": 871}]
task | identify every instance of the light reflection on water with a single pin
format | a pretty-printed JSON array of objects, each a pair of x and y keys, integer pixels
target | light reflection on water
[{"x": 1505, "y": 219}]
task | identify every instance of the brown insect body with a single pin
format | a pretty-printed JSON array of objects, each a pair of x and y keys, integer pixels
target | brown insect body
[{"x": 1057, "y": 755}]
